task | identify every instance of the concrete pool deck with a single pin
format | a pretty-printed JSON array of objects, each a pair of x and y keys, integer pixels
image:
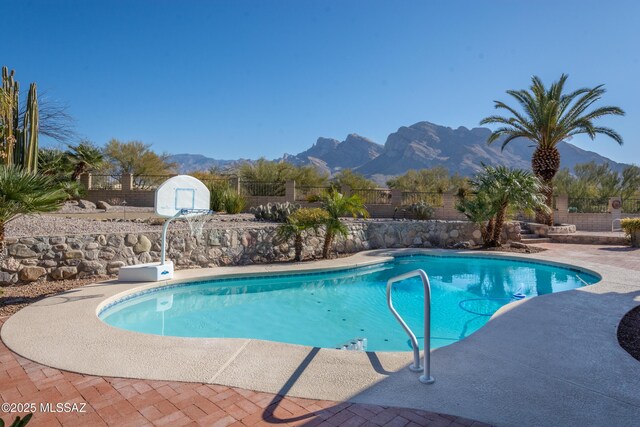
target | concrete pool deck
[{"x": 552, "y": 359}]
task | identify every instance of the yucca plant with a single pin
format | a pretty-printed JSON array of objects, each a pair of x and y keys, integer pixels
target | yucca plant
[
  {"x": 548, "y": 116},
  {"x": 299, "y": 221},
  {"x": 23, "y": 192},
  {"x": 337, "y": 205}
]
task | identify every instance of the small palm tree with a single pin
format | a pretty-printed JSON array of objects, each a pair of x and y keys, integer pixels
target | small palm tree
[
  {"x": 479, "y": 210},
  {"x": 301, "y": 220},
  {"x": 22, "y": 193},
  {"x": 84, "y": 157},
  {"x": 548, "y": 117},
  {"x": 337, "y": 205},
  {"x": 508, "y": 189}
]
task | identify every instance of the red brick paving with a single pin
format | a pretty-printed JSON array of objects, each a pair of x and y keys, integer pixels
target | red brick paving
[{"x": 127, "y": 403}]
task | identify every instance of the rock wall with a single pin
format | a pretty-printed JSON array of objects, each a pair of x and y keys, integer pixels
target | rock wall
[{"x": 29, "y": 259}]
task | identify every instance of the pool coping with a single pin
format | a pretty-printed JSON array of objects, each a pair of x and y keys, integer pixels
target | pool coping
[{"x": 48, "y": 332}]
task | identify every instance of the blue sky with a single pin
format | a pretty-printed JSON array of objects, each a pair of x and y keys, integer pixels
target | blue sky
[{"x": 236, "y": 78}]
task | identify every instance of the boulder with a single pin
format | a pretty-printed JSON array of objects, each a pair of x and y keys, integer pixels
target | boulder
[
  {"x": 20, "y": 250},
  {"x": 91, "y": 267},
  {"x": 103, "y": 205},
  {"x": 114, "y": 266},
  {"x": 62, "y": 273},
  {"x": 11, "y": 265},
  {"x": 85, "y": 204},
  {"x": 77, "y": 254},
  {"x": 31, "y": 273},
  {"x": 7, "y": 278}
]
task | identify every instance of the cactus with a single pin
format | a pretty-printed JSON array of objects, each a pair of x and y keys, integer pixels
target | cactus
[
  {"x": 278, "y": 212},
  {"x": 19, "y": 144},
  {"x": 422, "y": 210}
]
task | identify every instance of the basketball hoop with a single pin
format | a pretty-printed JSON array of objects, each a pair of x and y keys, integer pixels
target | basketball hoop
[{"x": 196, "y": 218}]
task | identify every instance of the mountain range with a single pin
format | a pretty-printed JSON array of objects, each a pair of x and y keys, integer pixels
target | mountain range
[{"x": 421, "y": 145}]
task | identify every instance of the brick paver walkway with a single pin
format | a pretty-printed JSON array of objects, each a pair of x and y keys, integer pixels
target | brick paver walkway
[{"x": 127, "y": 402}]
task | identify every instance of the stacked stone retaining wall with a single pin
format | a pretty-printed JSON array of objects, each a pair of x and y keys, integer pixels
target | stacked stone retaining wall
[{"x": 28, "y": 259}]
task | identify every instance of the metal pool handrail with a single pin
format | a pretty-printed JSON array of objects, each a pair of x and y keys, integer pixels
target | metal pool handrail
[{"x": 426, "y": 377}]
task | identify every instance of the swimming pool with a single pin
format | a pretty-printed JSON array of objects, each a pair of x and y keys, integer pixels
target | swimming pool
[{"x": 331, "y": 309}]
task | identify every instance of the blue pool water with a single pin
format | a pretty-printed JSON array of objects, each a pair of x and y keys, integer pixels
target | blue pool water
[{"x": 329, "y": 309}]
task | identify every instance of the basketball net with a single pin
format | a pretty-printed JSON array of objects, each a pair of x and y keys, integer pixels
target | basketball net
[{"x": 196, "y": 220}]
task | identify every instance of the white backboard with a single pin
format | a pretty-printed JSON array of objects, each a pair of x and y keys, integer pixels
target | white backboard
[{"x": 181, "y": 192}]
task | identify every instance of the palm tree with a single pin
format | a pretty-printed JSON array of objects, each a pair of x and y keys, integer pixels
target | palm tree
[
  {"x": 22, "y": 193},
  {"x": 337, "y": 205},
  {"x": 548, "y": 117},
  {"x": 508, "y": 189},
  {"x": 84, "y": 157},
  {"x": 479, "y": 210},
  {"x": 301, "y": 220}
]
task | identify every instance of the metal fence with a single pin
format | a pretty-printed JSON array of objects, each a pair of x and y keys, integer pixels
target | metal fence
[
  {"x": 148, "y": 182},
  {"x": 373, "y": 197},
  {"x": 304, "y": 194},
  {"x": 588, "y": 205},
  {"x": 631, "y": 205},
  {"x": 106, "y": 182},
  {"x": 258, "y": 188},
  {"x": 432, "y": 198}
]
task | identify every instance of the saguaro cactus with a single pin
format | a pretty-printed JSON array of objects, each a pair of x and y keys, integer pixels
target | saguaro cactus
[{"x": 19, "y": 145}]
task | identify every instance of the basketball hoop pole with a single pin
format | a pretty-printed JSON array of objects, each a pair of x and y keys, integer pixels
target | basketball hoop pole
[{"x": 164, "y": 235}]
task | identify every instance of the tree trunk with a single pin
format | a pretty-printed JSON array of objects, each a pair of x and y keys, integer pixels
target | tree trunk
[
  {"x": 488, "y": 233},
  {"x": 297, "y": 244},
  {"x": 545, "y": 164},
  {"x": 497, "y": 231},
  {"x": 327, "y": 244}
]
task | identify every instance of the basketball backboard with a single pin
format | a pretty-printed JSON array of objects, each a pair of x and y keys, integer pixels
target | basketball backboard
[{"x": 181, "y": 192}]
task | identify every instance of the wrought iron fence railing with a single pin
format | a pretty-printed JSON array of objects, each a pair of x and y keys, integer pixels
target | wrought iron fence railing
[
  {"x": 581, "y": 205},
  {"x": 259, "y": 188},
  {"x": 105, "y": 182},
  {"x": 631, "y": 205},
  {"x": 373, "y": 197},
  {"x": 433, "y": 198},
  {"x": 306, "y": 193}
]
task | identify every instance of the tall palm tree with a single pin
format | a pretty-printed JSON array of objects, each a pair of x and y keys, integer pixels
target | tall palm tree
[
  {"x": 549, "y": 116},
  {"x": 508, "y": 189},
  {"x": 337, "y": 205},
  {"x": 22, "y": 193},
  {"x": 301, "y": 220},
  {"x": 84, "y": 157}
]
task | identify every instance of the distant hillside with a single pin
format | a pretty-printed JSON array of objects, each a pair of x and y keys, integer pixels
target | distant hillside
[
  {"x": 197, "y": 162},
  {"x": 422, "y": 145},
  {"x": 331, "y": 155}
]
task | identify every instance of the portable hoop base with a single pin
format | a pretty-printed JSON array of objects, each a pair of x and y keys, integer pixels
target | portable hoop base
[{"x": 152, "y": 272}]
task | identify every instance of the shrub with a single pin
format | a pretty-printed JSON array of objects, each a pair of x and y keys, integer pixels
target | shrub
[
  {"x": 233, "y": 202},
  {"x": 630, "y": 224},
  {"x": 277, "y": 212},
  {"x": 422, "y": 210},
  {"x": 223, "y": 198}
]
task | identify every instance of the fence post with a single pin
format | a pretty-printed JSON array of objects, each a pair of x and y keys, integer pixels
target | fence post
[
  {"x": 234, "y": 183},
  {"x": 126, "y": 181},
  {"x": 290, "y": 191},
  {"x": 449, "y": 201},
  {"x": 85, "y": 180},
  {"x": 562, "y": 209},
  {"x": 615, "y": 207},
  {"x": 345, "y": 190},
  {"x": 396, "y": 197}
]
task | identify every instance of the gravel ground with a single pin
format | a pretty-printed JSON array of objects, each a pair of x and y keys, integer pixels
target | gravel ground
[
  {"x": 56, "y": 225},
  {"x": 14, "y": 298},
  {"x": 72, "y": 207},
  {"x": 629, "y": 332}
]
